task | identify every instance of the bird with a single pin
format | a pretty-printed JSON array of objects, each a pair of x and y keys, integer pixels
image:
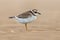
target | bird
[{"x": 26, "y": 17}]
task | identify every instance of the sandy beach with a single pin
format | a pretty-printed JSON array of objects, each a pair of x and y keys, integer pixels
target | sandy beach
[{"x": 45, "y": 27}]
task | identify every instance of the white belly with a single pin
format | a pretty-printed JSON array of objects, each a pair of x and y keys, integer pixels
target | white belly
[{"x": 26, "y": 20}]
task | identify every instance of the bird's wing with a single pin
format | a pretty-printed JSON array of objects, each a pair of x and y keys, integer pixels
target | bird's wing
[{"x": 25, "y": 15}]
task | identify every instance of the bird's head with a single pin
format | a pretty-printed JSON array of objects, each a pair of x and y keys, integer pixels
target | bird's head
[{"x": 35, "y": 11}]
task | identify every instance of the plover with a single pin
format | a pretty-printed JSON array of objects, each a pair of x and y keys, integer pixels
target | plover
[{"x": 26, "y": 17}]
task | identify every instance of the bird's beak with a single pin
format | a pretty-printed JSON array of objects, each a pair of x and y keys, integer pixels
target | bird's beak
[{"x": 39, "y": 13}]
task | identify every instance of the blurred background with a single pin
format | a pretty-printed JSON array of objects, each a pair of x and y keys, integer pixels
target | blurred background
[
  {"x": 49, "y": 9},
  {"x": 46, "y": 27}
]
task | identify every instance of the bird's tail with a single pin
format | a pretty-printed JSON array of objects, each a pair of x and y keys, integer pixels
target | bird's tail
[{"x": 12, "y": 17}]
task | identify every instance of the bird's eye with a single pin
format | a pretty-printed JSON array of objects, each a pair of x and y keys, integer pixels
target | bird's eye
[{"x": 35, "y": 12}]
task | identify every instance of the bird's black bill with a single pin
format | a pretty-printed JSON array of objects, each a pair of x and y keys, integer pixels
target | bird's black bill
[{"x": 39, "y": 13}]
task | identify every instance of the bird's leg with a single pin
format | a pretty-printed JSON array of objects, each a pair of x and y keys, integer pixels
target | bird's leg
[{"x": 26, "y": 26}]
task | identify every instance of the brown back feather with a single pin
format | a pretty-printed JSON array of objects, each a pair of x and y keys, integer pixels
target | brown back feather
[{"x": 25, "y": 15}]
